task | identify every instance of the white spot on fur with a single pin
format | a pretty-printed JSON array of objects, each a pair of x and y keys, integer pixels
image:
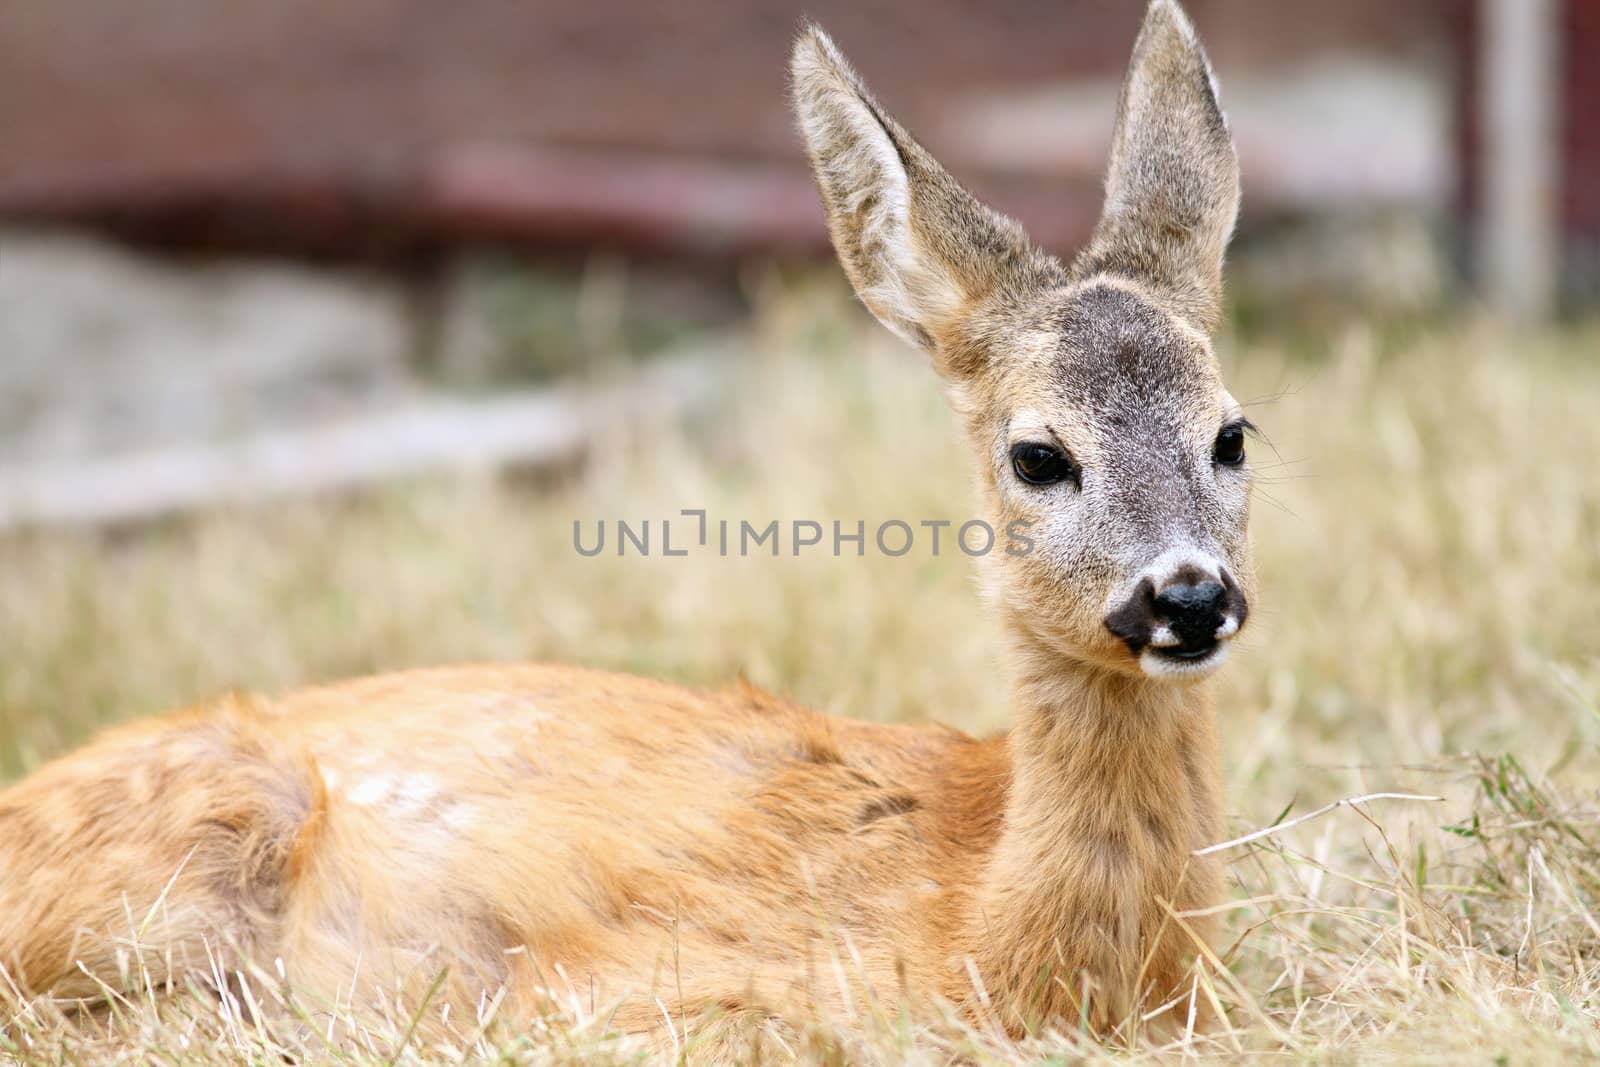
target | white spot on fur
[
  {"x": 413, "y": 794},
  {"x": 371, "y": 791}
]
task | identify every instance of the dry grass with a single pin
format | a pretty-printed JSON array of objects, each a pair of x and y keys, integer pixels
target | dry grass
[{"x": 1428, "y": 537}]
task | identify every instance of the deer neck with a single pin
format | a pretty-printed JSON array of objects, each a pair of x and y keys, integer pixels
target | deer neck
[{"x": 1113, "y": 787}]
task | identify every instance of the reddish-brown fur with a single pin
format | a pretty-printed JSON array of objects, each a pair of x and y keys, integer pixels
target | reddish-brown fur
[{"x": 525, "y": 823}]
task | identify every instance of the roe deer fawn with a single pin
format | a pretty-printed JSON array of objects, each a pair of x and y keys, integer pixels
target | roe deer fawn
[{"x": 542, "y": 828}]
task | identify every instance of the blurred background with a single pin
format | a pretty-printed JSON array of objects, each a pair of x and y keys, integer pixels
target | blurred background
[{"x": 221, "y": 223}]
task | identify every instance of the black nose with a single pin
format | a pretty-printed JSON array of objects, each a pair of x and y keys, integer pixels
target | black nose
[
  {"x": 1193, "y": 612},
  {"x": 1184, "y": 618}
]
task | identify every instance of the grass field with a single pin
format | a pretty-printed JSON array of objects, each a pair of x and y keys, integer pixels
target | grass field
[{"x": 1427, "y": 530}]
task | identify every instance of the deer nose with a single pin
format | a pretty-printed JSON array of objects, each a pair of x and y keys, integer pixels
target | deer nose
[
  {"x": 1194, "y": 613},
  {"x": 1183, "y": 619}
]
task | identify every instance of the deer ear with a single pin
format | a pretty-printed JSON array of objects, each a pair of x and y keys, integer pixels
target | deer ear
[
  {"x": 1172, "y": 187},
  {"x": 920, "y": 251}
]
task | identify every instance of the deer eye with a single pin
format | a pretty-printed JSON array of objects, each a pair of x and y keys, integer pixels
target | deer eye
[
  {"x": 1042, "y": 464},
  {"x": 1229, "y": 449}
]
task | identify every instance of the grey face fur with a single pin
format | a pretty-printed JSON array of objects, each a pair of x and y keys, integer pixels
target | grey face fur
[{"x": 1141, "y": 559}]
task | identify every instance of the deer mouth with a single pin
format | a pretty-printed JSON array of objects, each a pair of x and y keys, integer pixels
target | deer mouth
[
  {"x": 1187, "y": 661},
  {"x": 1189, "y": 654}
]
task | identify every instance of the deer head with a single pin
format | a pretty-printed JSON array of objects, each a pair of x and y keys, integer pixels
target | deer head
[{"x": 1091, "y": 393}]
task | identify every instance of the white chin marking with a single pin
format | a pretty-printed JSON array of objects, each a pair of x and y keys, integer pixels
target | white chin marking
[
  {"x": 1155, "y": 665},
  {"x": 1163, "y": 637}
]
